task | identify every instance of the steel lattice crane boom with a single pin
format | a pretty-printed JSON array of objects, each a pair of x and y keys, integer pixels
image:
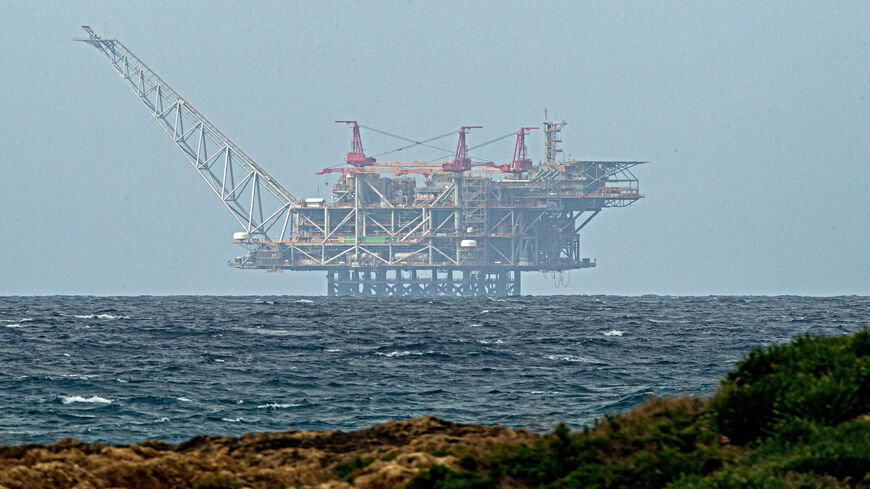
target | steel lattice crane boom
[{"x": 260, "y": 204}]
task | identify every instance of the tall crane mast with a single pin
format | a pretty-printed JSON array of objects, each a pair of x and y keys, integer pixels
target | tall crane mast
[
  {"x": 521, "y": 162},
  {"x": 357, "y": 156},
  {"x": 461, "y": 162},
  {"x": 258, "y": 202}
]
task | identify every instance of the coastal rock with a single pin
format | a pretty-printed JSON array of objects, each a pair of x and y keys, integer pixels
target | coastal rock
[{"x": 385, "y": 455}]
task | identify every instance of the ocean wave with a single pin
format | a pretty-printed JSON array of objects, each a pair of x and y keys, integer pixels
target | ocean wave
[
  {"x": 614, "y": 332},
  {"x": 392, "y": 352},
  {"x": 304, "y": 301},
  {"x": 92, "y": 399},
  {"x": 571, "y": 358},
  {"x": 404, "y": 353},
  {"x": 75, "y": 376},
  {"x": 99, "y": 316},
  {"x": 269, "y": 332},
  {"x": 276, "y": 405}
]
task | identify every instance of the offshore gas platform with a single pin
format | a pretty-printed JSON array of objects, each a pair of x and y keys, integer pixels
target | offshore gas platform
[{"x": 458, "y": 226}]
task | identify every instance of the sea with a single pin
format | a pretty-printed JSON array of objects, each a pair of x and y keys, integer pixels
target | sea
[{"x": 125, "y": 369}]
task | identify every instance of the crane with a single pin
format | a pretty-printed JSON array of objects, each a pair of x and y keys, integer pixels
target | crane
[
  {"x": 461, "y": 162},
  {"x": 356, "y": 157},
  {"x": 257, "y": 201}
]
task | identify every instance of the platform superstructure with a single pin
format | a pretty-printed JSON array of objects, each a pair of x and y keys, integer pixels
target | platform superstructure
[{"x": 457, "y": 226}]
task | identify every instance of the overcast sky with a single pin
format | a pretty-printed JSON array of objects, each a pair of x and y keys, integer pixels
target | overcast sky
[{"x": 754, "y": 116}]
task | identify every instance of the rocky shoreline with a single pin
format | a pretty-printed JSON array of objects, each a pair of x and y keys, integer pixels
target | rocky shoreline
[{"x": 386, "y": 455}]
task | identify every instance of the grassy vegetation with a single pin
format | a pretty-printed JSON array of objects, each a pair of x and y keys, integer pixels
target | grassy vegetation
[
  {"x": 347, "y": 471},
  {"x": 218, "y": 480},
  {"x": 788, "y": 416}
]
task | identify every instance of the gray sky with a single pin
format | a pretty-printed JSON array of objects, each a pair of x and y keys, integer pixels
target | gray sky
[{"x": 755, "y": 118}]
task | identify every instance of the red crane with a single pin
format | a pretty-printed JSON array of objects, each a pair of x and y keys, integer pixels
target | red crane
[
  {"x": 521, "y": 163},
  {"x": 461, "y": 162},
  {"x": 357, "y": 156}
]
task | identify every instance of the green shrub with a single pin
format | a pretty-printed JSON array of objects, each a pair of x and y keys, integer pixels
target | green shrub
[
  {"x": 648, "y": 447},
  {"x": 842, "y": 451},
  {"x": 821, "y": 379},
  {"x": 348, "y": 470},
  {"x": 441, "y": 477},
  {"x": 742, "y": 477},
  {"x": 390, "y": 456},
  {"x": 792, "y": 416}
]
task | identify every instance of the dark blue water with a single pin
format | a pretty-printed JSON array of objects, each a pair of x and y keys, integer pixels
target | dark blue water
[{"x": 129, "y": 368}]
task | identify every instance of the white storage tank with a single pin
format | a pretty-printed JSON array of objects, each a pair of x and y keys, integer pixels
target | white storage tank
[
  {"x": 241, "y": 236},
  {"x": 468, "y": 243},
  {"x": 315, "y": 202}
]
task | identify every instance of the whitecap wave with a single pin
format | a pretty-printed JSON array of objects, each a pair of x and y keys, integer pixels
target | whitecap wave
[
  {"x": 14, "y": 325},
  {"x": 99, "y": 316},
  {"x": 614, "y": 332},
  {"x": 183, "y": 399},
  {"x": 92, "y": 399},
  {"x": 332, "y": 350},
  {"x": 233, "y": 420},
  {"x": 305, "y": 301},
  {"x": 276, "y": 405},
  {"x": 269, "y": 332},
  {"x": 405, "y": 353},
  {"x": 570, "y": 358},
  {"x": 78, "y": 376}
]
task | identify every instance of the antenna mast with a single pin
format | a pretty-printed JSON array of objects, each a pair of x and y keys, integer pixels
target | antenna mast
[{"x": 552, "y": 130}]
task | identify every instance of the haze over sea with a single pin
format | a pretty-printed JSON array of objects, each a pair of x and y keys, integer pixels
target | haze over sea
[{"x": 122, "y": 369}]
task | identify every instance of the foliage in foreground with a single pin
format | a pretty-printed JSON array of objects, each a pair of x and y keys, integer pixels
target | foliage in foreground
[{"x": 788, "y": 416}]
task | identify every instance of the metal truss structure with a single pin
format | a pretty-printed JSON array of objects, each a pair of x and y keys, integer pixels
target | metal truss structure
[
  {"x": 254, "y": 198},
  {"x": 385, "y": 281},
  {"x": 470, "y": 229}
]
